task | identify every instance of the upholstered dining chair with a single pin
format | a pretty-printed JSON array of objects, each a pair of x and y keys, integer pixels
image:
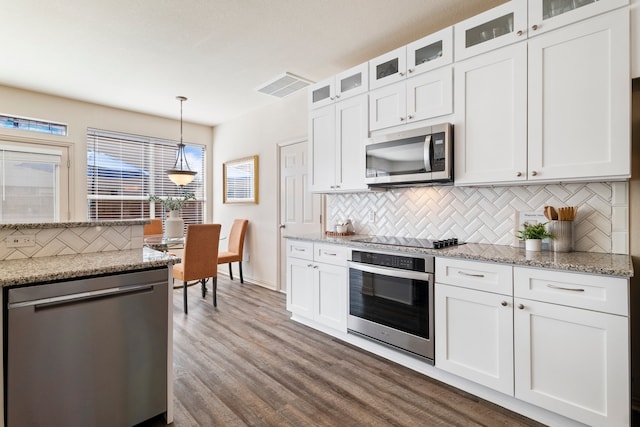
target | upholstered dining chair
[
  {"x": 199, "y": 259},
  {"x": 154, "y": 227},
  {"x": 235, "y": 246}
]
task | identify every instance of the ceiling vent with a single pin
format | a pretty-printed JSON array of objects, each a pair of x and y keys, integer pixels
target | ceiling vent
[{"x": 283, "y": 85}]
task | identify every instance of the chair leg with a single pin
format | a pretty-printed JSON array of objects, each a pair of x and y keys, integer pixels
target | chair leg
[
  {"x": 230, "y": 272},
  {"x": 185, "y": 297},
  {"x": 240, "y": 267},
  {"x": 204, "y": 287},
  {"x": 214, "y": 286}
]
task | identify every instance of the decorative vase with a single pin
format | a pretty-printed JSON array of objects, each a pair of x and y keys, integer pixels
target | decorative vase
[
  {"x": 533, "y": 245},
  {"x": 174, "y": 225}
]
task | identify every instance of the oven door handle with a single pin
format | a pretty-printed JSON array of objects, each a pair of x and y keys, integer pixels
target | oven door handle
[{"x": 393, "y": 272}]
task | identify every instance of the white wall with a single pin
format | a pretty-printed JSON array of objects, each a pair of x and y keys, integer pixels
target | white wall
[
  {"x": 259, "y": 133},
  {"x": 82, "y": 115}
]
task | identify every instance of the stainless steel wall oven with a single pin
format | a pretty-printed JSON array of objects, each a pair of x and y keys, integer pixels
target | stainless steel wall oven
[{"x": 391, "y": 300}]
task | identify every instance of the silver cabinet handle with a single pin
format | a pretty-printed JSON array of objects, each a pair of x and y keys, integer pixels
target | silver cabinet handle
[
  {"x": 309, "y": 265},
  {"x": 534, "y": 173},
  {"x": 410, "y": 116},
  {"x": 282, "y": 225},
  {"x": 315, "y": 266},
  {"x": 521, "y": 306},
  {"x": 402, "y": 119},
  {"x": 337, "y": 96},
  {"x": 401, "y": 73},
  {"x": 519, "y": 174},
  {"x": 519, "y": 33},
  {"x": 470, "y": 274},
  {"x": 299, "y": 249},
  {"x": 410, "y": 70},
  {"x": 534, "y": 27},
  {"x": 329, "y": 254},
  {"x": 504, "y": 303},
  {"x": 564, "y": 289}
]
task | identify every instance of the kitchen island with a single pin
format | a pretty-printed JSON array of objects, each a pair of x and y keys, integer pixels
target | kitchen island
[{"x": 64, "y": 253}]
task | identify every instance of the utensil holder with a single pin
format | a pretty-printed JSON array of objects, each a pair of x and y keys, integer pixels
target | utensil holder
[{"x": 562, "y": 232}]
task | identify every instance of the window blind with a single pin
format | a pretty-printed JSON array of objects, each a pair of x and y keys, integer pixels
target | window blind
[{"x": 123, "y": 170}]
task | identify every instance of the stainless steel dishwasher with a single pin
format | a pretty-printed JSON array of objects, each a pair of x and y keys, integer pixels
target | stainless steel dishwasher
[{"x": 88, "y": 352}]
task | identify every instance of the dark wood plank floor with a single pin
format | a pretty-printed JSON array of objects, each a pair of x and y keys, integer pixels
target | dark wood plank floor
[{"x": 246, "y": 363}]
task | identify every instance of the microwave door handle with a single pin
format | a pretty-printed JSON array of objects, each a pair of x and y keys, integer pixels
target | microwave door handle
[{"x": 428, "y": 153}]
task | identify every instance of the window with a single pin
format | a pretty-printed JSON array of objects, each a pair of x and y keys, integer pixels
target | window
[
  {"x": 123, "y": 170},
  {"x": 30, "y": 184},
  {"x": 22, "y": 123}
]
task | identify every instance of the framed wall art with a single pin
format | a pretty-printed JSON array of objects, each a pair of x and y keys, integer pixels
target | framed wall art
[{"x": 240, "y": 180}]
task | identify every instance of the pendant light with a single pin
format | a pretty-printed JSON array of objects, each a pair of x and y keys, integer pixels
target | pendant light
[{"x": 181, "y": 175}]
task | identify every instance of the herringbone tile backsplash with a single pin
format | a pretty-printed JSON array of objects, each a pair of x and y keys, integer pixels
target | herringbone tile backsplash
[{"x": 488, "y": 214}]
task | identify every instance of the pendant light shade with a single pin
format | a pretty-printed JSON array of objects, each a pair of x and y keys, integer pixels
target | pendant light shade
[{"x": 180, "y": 174}]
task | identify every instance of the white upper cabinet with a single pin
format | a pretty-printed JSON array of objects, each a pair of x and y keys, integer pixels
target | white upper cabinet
[
  {"x": 418, "y": 98},
  {"x": 354, "y": 81},
  {"x": 491, "y": 128},
  {"x": 336, "y": 145},
  {"x": 545, "y": 15},
  {"x": 519, "y": 19},
  {"x": 555, "y": 108},
  {"x": 579, "y": 95},
  {"x": 492, "y": 29},
  {"x": 428, "y": 53}
]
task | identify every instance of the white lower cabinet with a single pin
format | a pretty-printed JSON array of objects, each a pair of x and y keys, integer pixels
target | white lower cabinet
[
  {"x": 317, "y": 285},
  {"x": 559, "y": 341},
  {"x": 568, "y": 359},
  {"x": 474, "y": 336}
]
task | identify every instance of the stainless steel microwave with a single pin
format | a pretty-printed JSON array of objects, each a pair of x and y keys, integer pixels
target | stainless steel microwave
[{"x": 414, "y": 157}]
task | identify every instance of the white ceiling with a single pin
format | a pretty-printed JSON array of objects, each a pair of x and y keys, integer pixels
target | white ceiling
[{"x": 139, "y": 54}]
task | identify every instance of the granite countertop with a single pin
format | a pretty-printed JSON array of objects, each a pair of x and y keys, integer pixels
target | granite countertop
[
  {"x": 582, "y": 262},
  {"x": 61, "y": 267},
  {"x": 39, "y": 225}
]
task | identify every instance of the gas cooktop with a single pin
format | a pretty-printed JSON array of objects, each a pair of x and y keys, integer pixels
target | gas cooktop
[{"x": 411, "y": 242}]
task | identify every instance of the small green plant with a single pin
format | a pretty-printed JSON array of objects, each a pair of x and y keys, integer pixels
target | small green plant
[
  {"x": 172, "y": 203},
  {"x": 534, "y": 231}
]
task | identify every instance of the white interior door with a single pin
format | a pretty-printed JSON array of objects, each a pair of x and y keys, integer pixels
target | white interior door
[{"x": 300, "y": 210}]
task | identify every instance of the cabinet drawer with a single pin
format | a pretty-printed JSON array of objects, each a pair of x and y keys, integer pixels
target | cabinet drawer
[
  {"x": 482, "y": 276},
  {"x": 593, "y": 292},
  {"x": 331, "y": 254},
  {"x": 300, "y": 249}
]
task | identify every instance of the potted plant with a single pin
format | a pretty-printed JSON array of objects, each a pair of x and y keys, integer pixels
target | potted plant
[
  {"x": 172, "y": 203},
  {"x": 174, "y": 225},
  {"x": 532, "y": 234}
]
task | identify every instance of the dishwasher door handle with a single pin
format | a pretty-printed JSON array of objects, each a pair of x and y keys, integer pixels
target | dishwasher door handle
[{"x": 45, "y": 303}]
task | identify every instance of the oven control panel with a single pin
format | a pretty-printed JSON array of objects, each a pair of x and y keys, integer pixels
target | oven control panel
[{"x": 392, "y": 261}]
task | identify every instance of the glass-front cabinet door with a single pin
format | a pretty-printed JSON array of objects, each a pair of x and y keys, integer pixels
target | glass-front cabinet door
[
  {"x": 545, "y": 15},
  {"x": 430, "y": 52},
  {"x": 492, "y": 29},
  {"x": 353, "y": 81},
  {"x": 322, "y": 93},
  {"x": 388, "y": 68}
]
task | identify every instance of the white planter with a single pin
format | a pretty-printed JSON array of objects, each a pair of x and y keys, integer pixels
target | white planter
[
  {"x": 533, "y": 245},
  {"x": 174, "y": 225}
]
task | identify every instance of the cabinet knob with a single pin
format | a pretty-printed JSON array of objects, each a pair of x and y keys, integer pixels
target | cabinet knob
[
  {"x": 520, "y": 33},
  {"x": 534, "y": 173},
  {"x": 410, "y": 70},
  {"x": 332, "y": 98},
  {"x": 410, "y": 116},
  {"x": 503, "y": 303},
  {"x": 519, "y": 174},
  {"x": 400, "y": 73},
  {"x": 534, "y": 27},
  {"x": 309, "y": 265},
  {"x": 282, "y": 225},
  {"x": 337, "y": 96},
  {"x": 402, "y": 119},
  {"x": 521, "y": 306}
]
